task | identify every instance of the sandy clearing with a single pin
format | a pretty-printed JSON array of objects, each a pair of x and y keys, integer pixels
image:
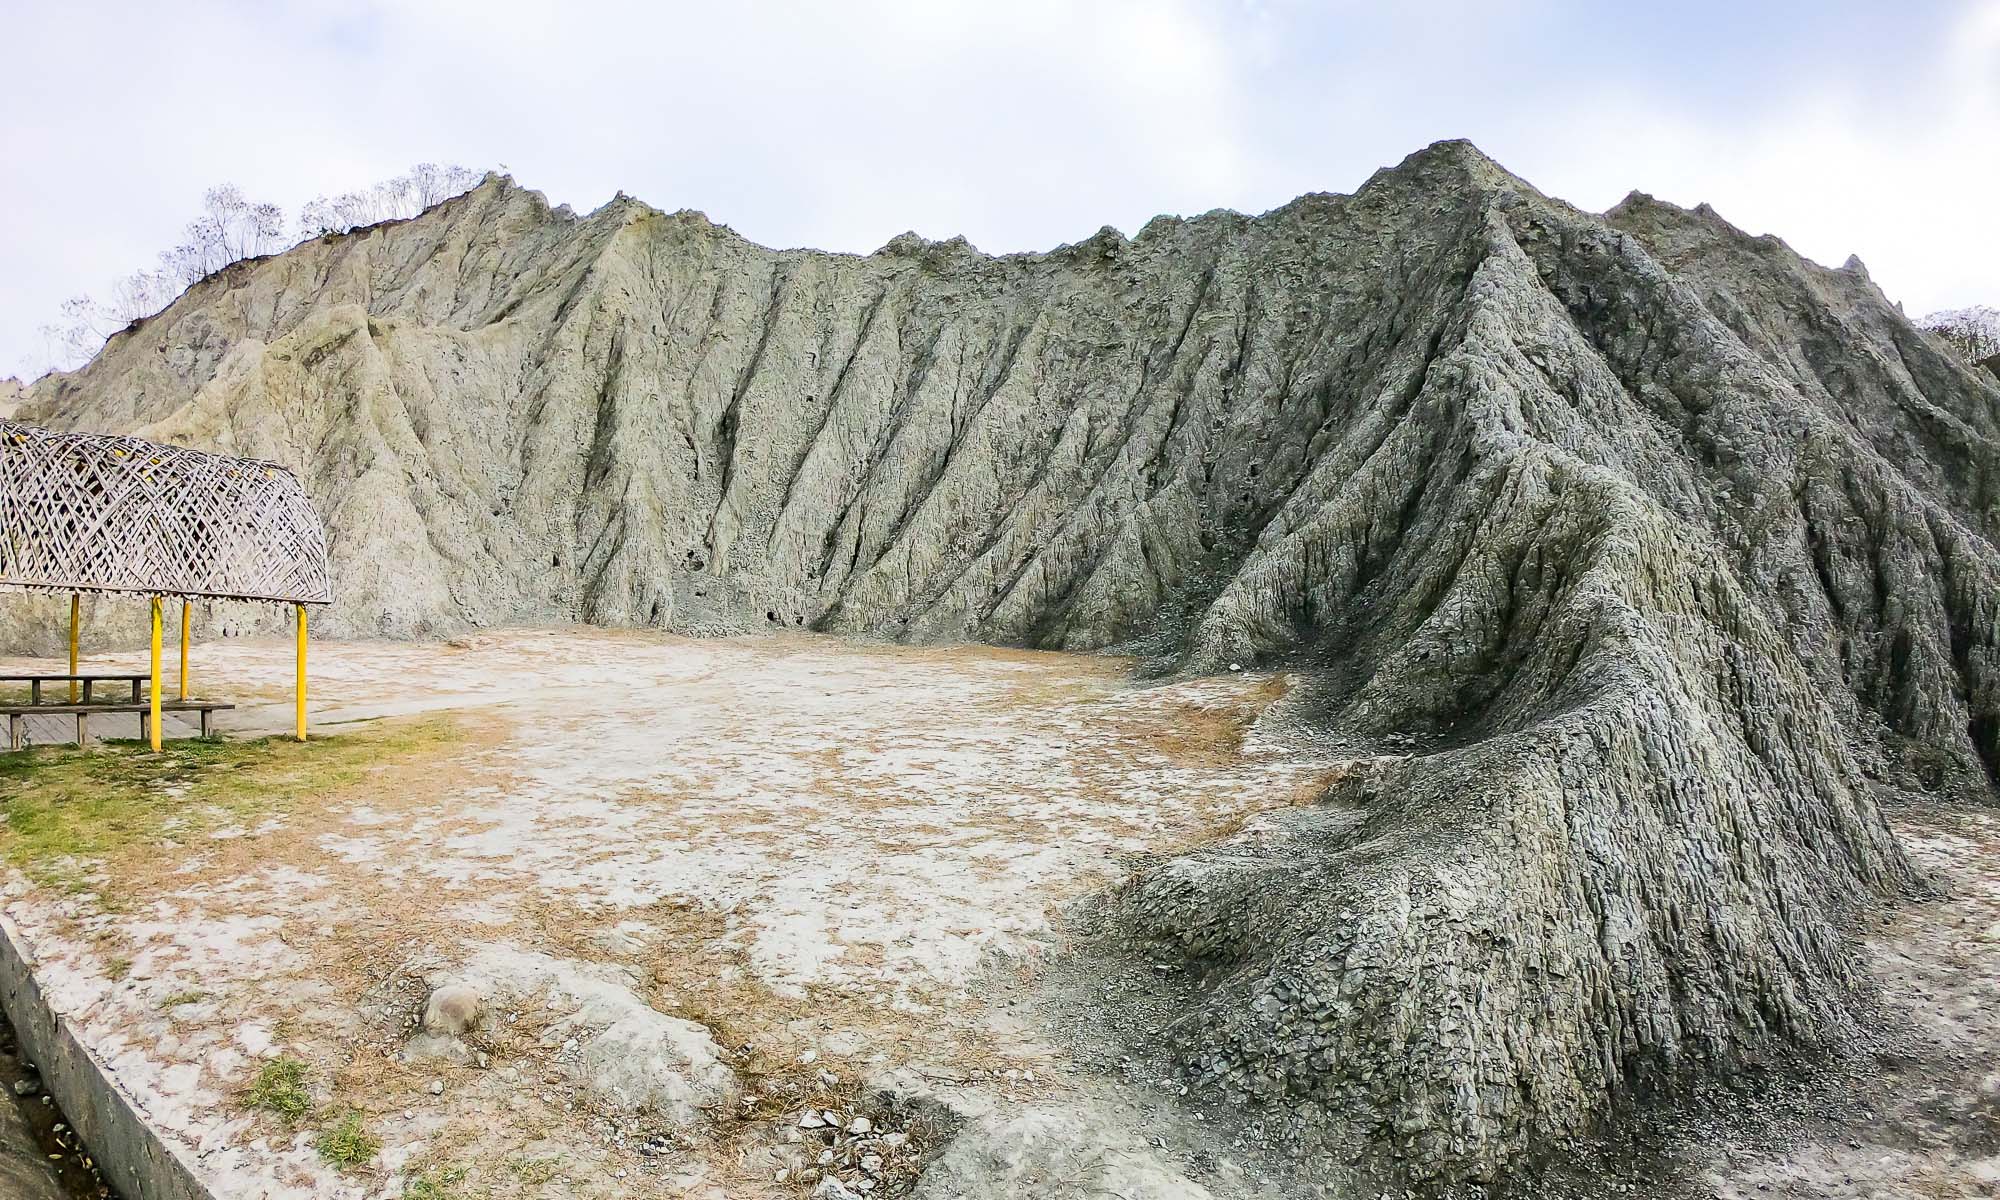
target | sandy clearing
[{"x": 807, "y": 845}]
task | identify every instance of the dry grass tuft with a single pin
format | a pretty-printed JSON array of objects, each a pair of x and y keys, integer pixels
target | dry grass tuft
[{"x": 1209, "y": 735}]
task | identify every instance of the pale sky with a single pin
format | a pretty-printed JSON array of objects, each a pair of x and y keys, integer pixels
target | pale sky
[{"x": 1844, "y": 126}]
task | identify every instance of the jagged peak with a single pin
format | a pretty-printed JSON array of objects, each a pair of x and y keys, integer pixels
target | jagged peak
[
  {"x": 1636, "y": 200},
  {"x": 1108, "y": 243},
  {"x": 1455, "y": 163},
  {"x": 1456, "y": 158},
  {"x": 493, "y": 184},
  {"x": 1647, "y": 207},
  {"x": 1461, "y": 152},
  {"x": 911, "y": 244}
]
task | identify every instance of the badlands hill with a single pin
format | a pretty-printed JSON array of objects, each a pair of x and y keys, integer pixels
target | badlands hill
[{"x": 1645, "y": 547}]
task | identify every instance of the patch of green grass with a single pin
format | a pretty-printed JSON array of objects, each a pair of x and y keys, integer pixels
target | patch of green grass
[
  {"x": 280, "y": 1088},
  {"x": 440, "y": 1184},
  {"x": 347, "y": 1142},
  {"x": 179, "y": 998},
  {"x": 118, "y": 968},
  {"x": 66, "y": 807}
]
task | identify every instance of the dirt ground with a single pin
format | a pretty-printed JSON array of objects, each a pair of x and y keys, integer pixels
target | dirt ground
[
  {"x": 844, "y": 861},
  {"x": 1916, "y": 1113},
  {"x": 815, "y": 849}
]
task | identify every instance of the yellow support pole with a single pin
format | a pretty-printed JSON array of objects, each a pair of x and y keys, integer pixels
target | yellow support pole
[
  {"x": 75, "y": 620},
  {"x": 302, "y": 672},
  {"x": 185, "y": 622},
  {"x": 155, "y": 733}
]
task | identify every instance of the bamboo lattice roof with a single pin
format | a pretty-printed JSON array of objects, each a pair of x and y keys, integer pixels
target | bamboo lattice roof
[{"x": 86, "y": 512}]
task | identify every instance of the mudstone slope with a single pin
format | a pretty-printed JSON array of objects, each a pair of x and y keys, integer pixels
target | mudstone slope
[{"x": 1631, "y": 549}]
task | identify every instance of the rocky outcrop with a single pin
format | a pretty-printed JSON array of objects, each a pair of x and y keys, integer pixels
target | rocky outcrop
[
  {"x": 1658, "y": 540},
  {"x": 619, "y": 1052}
]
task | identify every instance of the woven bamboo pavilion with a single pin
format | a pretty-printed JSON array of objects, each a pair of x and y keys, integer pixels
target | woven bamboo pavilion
[{"x": 94, "y": 513}]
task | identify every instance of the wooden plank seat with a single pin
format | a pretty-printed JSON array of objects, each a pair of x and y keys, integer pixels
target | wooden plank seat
[
  {"x": 17, "y": 716},
  {"x": 36, "y": 680}
]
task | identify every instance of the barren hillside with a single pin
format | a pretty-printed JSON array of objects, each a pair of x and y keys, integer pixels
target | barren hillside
[{"x": 1641, "y": 544}]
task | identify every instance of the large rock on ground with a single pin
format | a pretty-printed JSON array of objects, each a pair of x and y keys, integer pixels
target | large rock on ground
[{"x": 627, "y": 1056}]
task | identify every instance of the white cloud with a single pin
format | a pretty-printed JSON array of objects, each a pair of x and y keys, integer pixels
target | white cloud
[
  {"x": 1018, "y": 124},
  {"x": 1899, "y": 171}
]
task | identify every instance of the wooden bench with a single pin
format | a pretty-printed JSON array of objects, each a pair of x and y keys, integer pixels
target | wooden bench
[
  {"x": 35, "y": 682},
  {"x": 18, "y": 714}
]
